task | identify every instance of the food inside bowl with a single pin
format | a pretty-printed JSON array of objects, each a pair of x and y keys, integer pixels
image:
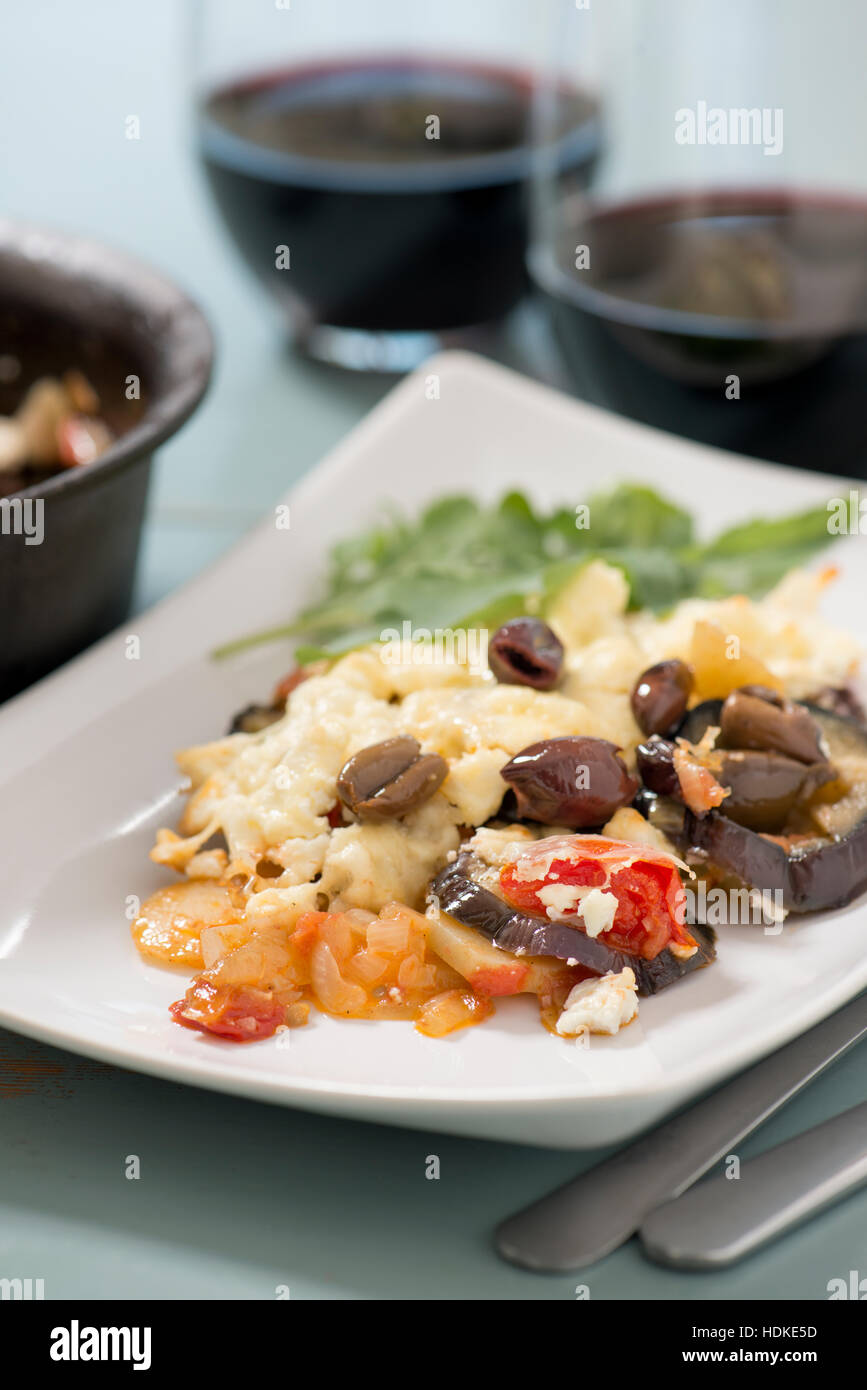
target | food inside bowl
[
  {"x": 411, "y": 830},
  {"x": 57, "y": 425}
]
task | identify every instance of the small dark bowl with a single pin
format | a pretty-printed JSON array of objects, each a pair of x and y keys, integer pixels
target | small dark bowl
[{"x": 68, "y": 302}]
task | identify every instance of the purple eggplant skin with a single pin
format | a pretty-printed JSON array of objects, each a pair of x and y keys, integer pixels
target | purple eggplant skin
[
  {"x": 457, "y": 893},
  {"x": 764, "y": 787},
  {"x": 815, "y": 881},
  {"x": 810, "y": 881},
  {"x": 839, "y": 700},
  {"x": 662, "y": 811},
  {"x": 699, "y": 719}
]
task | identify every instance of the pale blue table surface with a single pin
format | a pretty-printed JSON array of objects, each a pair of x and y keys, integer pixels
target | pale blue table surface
[{"x": 236, "y": 1198}]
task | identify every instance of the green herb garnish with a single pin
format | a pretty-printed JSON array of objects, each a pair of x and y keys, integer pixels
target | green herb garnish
[{"x": 462, "y": 564}]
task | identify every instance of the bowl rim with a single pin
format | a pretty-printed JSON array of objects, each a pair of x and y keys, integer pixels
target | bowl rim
[{"x": 184, "y": 346}]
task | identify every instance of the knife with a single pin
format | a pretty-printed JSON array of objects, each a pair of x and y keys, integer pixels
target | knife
[
  {"x": 594, "y": 1213},
  {"x": 723, "y": 1219}
]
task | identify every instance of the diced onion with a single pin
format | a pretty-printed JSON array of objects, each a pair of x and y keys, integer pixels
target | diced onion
[
  {"x": 409, "y": 972},
  {"x": 336, "y": 995},
  {"x": 368, "y": 967},
  {"x": 456, "y": 1008},
  {"x": 391, "y": 938}
]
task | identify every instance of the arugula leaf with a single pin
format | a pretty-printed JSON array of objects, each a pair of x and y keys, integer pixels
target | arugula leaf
[
  {"x": 801, "y": 529},
  {"x": 638, "y": 518},
  {"x": 751, "y": 558},
  {"x": 464, "y": 564}
]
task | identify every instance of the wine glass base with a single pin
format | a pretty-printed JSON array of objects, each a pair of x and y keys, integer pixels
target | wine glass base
[{"x": 358, "y": 350}]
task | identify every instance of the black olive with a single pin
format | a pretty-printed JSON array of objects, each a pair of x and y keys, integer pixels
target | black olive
[
  {"x": 390, "y": 778},
  {"x": 508, "y": 809},
  {"x": 660, "y": 696},
  {"x": 253, "y": 718},
  {"x": 571, "y": 781},
  {"x": 655, "y": 761},
  {"x": 763, "y": 787},
  {"x": 749, "y": 722},
  {"x": 644, "y": 801},
  {"x": 525, "y": 651},
  {"x": 763, "y": 692}
]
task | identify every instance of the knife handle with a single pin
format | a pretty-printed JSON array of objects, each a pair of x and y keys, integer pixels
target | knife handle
[{"x": 723, "y": 1219}]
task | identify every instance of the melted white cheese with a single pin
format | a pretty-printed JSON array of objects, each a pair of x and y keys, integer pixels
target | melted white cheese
[{"x": 270, "y": 794}]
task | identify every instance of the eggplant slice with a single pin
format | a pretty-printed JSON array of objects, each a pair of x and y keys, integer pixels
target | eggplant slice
[
  {"x": 458, "y": 894},
  {"x": 826, "y": 873}
]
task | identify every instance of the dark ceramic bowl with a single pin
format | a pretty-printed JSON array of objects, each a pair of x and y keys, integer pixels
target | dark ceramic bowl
[{"x": 68, "y": 544}]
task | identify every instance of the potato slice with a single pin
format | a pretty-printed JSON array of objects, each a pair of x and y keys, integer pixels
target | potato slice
[
  {"x": 721, "y": 664},
  {"x": 487, "y": 968},
  {"x": 171, "y": 921}
]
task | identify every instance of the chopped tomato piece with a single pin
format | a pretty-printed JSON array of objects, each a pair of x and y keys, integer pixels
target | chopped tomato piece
[
  {"x": 290, "y": 682},
  {"x": 492, "y": 983},
  {"x": 306, "y": 933},
  {"x": 240, "y": 1013},
  {"x": 651, "y": 901},
  {"x": 701, "y": 791}
]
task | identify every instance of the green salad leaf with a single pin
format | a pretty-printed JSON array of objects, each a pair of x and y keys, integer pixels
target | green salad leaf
[{"x": 463, "y": 564}]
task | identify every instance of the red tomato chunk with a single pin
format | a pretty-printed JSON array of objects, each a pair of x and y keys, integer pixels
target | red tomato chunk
[
  {"x": 242, "y": 1014},
  {"x": 651, "y": 900}
]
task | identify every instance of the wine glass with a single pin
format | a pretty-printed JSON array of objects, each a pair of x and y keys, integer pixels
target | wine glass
[
  {"x": 370, "y": 162},
  {"x": 710, "y": 275}
]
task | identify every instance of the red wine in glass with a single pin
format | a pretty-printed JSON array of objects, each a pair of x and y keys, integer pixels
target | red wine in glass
[
  {"x": 388, "y": 230},
  {"x": 736, "y": 317}
]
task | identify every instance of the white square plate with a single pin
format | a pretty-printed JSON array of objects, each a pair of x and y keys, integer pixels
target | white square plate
[{"x": 87, "y": 774}]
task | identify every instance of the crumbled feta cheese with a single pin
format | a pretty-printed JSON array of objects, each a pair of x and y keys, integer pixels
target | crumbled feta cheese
[
  {"x": 499, "y": 847},
  {"x": 560, "y": 898},
  {"x": 600, "y": 1006},
  {"x": 597, "y": 908}
]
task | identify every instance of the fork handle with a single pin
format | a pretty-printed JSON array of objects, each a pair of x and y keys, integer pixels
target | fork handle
[{"x": 723, "y": 1219}]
